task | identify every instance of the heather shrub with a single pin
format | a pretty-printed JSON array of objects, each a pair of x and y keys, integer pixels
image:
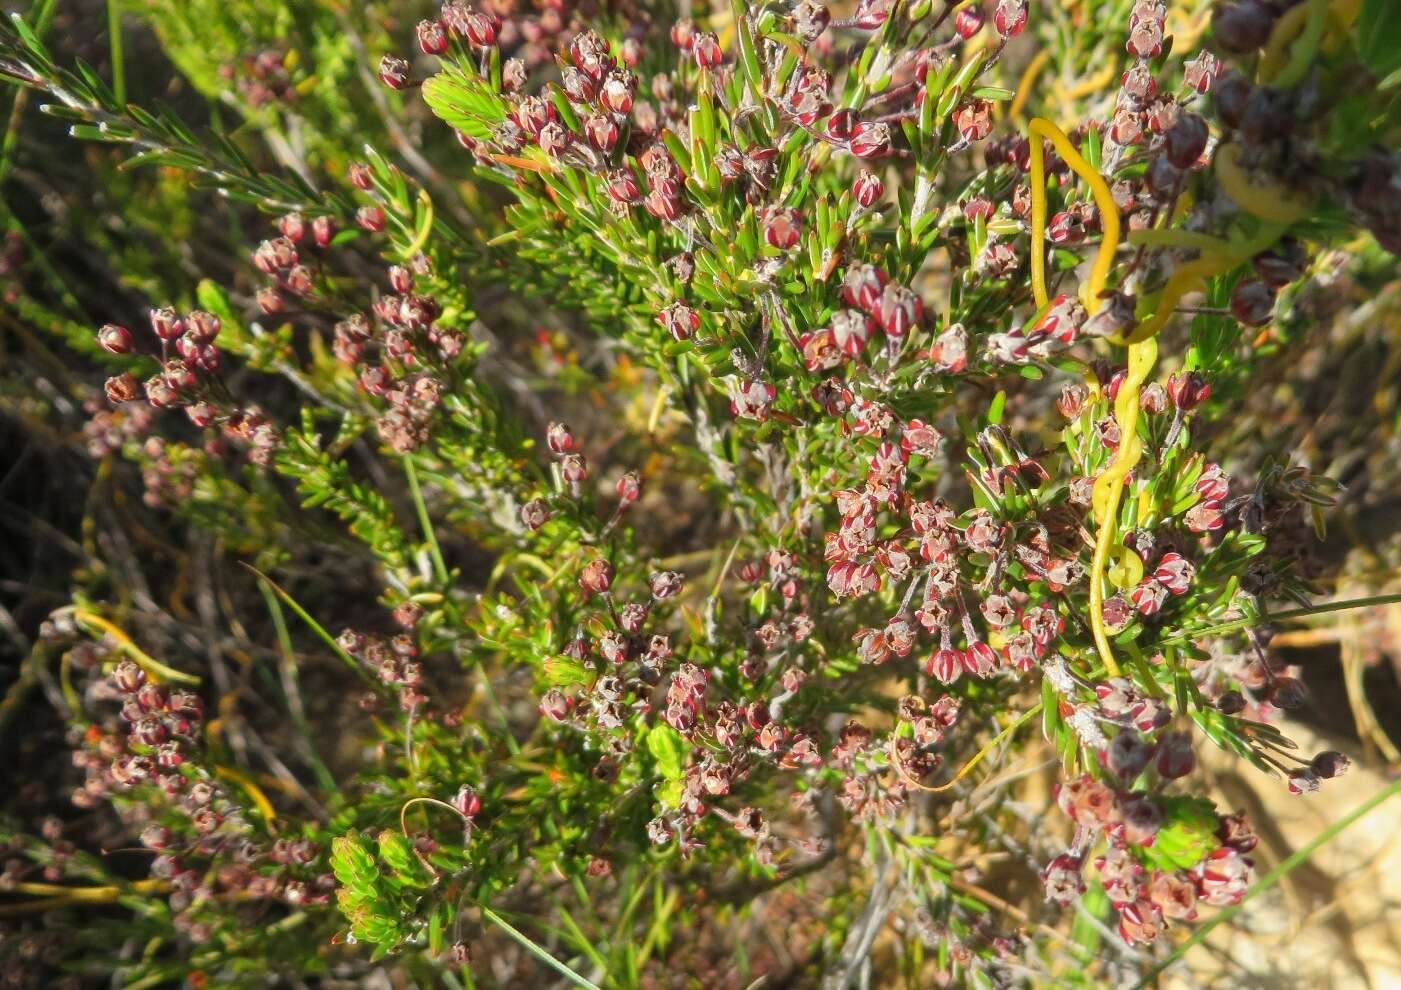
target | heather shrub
[{"x": 905, "y": 351}]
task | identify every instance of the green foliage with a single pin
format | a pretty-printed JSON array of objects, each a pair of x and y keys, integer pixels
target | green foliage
[
  {"x": 370, "y": 901},
  {"x": 1187, "y": 836}
]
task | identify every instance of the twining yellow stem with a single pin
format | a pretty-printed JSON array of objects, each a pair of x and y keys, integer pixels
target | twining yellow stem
[
  {"x": 1220, "y": 258},
  {"x": 425, "y": 225},
  {"x": 149, "y": 663},
  {"x": 53, "y": 896},
  {"x": 1088, "y": 85},
  {"x": 254, "y": 792},
  {"x": 1109, "y": 487},
  {"x": 1273, "y": 201},
  {"x": 967, "y": 768},
  {"x": 1027, "y": 81},
  {"x": 1282, "y": 66},
  {"x": 1168, "y": 237},
  {"x": 404, "y": 811},
  {"x": 1040, "y": 128}
]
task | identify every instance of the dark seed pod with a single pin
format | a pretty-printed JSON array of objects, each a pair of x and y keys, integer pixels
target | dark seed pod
[
  {"x": 1242, "y": 27},
  {"x": 1282, "y": 264},
  {"x": 1186, "y": 140},
  {"x": 1230, "y": 97},
  {"x": 1267, "y": 116},
  {"x": 1252, "y": 302},
  {"x": 1163, "y": 178}
]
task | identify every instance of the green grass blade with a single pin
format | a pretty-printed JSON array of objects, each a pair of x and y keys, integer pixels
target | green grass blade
[{"x": 537, "y": 951}]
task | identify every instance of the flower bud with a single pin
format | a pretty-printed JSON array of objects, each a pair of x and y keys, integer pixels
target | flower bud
[
  {"x": 1128, "y": 754},
  {"x": 1175, "y": 757},
  {"x": 945, "y": 665},
  {"x": 513, "y": 75},
  {"x": 782, "y": 228},
  {"x": 157, "y": 837},
  {"x": 394, "y": 72},
  {"x": 535, "y": 513},
  {"x": 950, "y": 350},
  {"x": 706, "y": 50},
  {"x": 617, "y": 92},
  {"x": 978, "y": 208},
  {"x": 370, "y": 218},
  {"x": 871, "y": 14},
  {"x": 850, "y": 331},
  {"x": 292, "y": 226},
  {"x": 680, "y": 320},
  {"x": 1188, "y": 391},
  {"x": 114, "y": 339},
  {"x": 629, "y": 489},
  {"x": 590, "y": 52},
  {"x": 201, "y": 414},
  {"x": 299, "y": 280},
  {"x": 401, "y": 279},
  {"x": 360, "y": 176},
  {"x": 867, "y": 189},
  {"x": 1009, "y": 18},
  {"x": 432, "y": 38},
  {"x": 202, "y": 327},
  {"x": 323, "y": 229},
  {"x": 128, "y": 677},
  {"x": 683, "y": 34},
  {"x": 482, "y": 28},
  {"x": 166, "y": 323},
  {"x": 662, "y": 204},
  {"x": 900, "y": 309},
  {"x": 597, "y": 576},
  {"x": 622, "y": 187},
  {"x": 559, "y": 439},
  {"x": 1330, "y": 764},
  {"x": 574, "y": 468},
  {"x": 602, "y": 132},
  {"x": 862, "y": 286},
  {"x": 121, "y": 388},
  {"x": 870, "y": 140},
  {"x": 1284, "y": 263},
  {"x": 842, "y": 125},
  {"x": 467, "y": 802},
  {"x": 968, "y": 21}
]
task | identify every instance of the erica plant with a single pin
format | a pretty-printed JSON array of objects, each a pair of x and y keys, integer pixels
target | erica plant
[{"x": 574, "y": 480}]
